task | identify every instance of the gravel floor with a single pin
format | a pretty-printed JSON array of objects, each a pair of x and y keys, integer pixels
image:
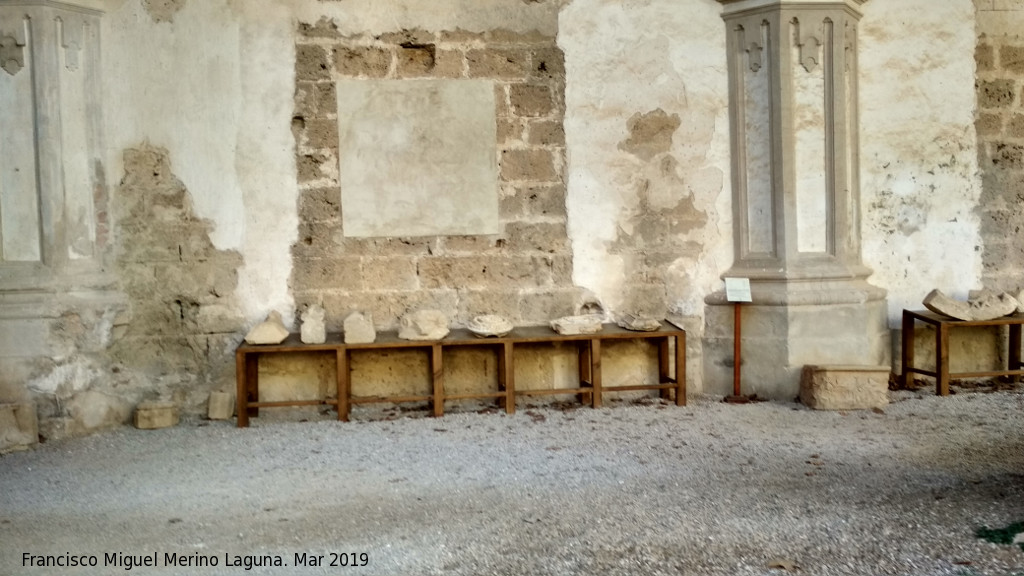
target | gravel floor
[{"x": 709, "y": 489}]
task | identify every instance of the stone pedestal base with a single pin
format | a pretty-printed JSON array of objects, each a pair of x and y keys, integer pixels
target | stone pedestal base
[
  {"x": 784, "y": 330},
  {"x": 19, "y": 428},
  {"x": 845, "y": 387}
]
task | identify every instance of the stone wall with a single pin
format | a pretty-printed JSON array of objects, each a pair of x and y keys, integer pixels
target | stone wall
[
  {"x": 524, "y": 272},
  {"x": 212, "y": 133},
  {"x": 1000, "y": 125}
]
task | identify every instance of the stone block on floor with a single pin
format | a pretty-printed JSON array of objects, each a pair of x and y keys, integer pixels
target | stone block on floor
[
  {"x": 844, "y": 387},
  {"x": 221, "y": 406},
  {"x": 19, "y": 427},
  {"x": 155, "y": 415}
]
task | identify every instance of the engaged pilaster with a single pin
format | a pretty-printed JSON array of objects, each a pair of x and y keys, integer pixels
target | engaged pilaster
[{"x": 796, "y": 214}]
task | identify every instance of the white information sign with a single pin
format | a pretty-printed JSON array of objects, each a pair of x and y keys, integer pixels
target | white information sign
[{"x": 737, "y": 289}]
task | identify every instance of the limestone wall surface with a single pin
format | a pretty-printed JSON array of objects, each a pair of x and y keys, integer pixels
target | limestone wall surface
[
  {"x": 1000, "y": 125},
  {"x": 220, "y": 144}
]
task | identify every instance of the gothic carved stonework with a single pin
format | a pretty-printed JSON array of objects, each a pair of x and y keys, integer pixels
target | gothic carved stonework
[
  {"x": 71, "y": 35},
  {"x": 752, "y": 42},
  {"x": 12, "y": 54},
  {"x": 809, "y": 44}
]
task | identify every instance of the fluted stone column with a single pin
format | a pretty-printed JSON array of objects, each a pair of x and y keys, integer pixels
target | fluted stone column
[{"x": 796, "y": 213}]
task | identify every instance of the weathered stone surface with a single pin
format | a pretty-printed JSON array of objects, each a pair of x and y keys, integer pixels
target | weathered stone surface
[
  {"x": 221, "y": 406},
  {"x": 270, "y": 331},
  {"x": 489, "y": 325},
  {"x": 583, "y": 324},
  {"x": 424, "y": 325},
  {"x": 985, "y": 306},
  {"x": 313, "y": 330},
  {"x": 359, "y": 328},
  {"x": 638, "y": 323},
  {"x": 844, "y": 387},
  {"x": 19, "y": 428},
  {"x": 154, "y": 415}
]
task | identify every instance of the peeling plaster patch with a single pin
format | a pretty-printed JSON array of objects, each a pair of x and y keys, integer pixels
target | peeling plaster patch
[
  {"x": 163, "y": 10},
  {"x": 65, "y": 379},
  {"x": 650, "y": 133}
]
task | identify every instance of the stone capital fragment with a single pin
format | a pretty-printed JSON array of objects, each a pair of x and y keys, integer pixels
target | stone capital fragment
[
  {"x": 270, "y": 331},
  {"x": 986, "y": 306},
  {"x": 359, "y": 328},
  {"x": 313, "y": 330}
]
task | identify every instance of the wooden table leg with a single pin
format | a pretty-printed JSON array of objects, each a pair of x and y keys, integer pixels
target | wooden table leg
[
  {"x": 663, "y": 374},
  {"x": 907, "y": 361},
  {"x": 252, "y": 383},
  {"x": 437, "y": 377},
  {"x": 595, "y": 371},
  {"x": 241, "y": 391},
  {"x": 584, "y": 361},
  {"x": 1014, "y": 352},
  {"x": 344, "y": 390},
  {"x": 942, "y": 359},
  {"x": 507, "y": 377},
  {"x": 681, "y": 370}
]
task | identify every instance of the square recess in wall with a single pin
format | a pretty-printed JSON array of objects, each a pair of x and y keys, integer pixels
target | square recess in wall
[{"x": 417, "y": 157}]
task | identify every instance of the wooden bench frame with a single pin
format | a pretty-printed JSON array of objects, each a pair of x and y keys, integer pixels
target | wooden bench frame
[
  {"x": 942, "y": 325},
  {"x": 590, "y": 389}
]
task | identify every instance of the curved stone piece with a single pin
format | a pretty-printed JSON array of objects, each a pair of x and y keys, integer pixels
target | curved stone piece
[
  {"x": 313, "y": 330},
  {"x": 984, "y": 307},
  {"x": 423, "y": 325},
  {"x": 359, "y": 328},
  {"x": 581, "y": 324},
  {"x": 270, "y": 331},
  {"x": 638, "y": 323},
  {"x": 489, "y": 325}
]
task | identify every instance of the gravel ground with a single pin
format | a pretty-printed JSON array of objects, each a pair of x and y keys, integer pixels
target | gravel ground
[{"x": 635, "y": 488}]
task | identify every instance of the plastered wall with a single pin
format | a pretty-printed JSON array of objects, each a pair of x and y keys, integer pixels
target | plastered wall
[{"x": 613, "y": 165}]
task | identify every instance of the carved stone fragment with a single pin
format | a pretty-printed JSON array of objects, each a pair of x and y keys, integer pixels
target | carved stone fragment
[
  {"x": 313, "y": 330},
  {"x": 489, "y": 325},
  {"x": 985, "y": 306},
  {"x": 638, "y": 323},
  {"x": 270, "y": 331},
  {"x": 359, "y": 329},
  {"x": 582, "y": 324},
  {"x": 424, "y": 325}
]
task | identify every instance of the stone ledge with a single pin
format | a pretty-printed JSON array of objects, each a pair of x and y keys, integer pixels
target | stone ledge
[{"x": 844, "y": 387}]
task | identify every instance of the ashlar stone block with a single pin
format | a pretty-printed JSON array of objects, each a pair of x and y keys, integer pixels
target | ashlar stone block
[
  {"x": 155, "y": 415},
  {"x": 844, "y": 387},
  {"x": 19, "y": 427}
]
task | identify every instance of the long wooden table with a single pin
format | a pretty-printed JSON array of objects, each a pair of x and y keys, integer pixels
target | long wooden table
[
  {"x": 671, "y": 375},
  {"x": 943, "y": 325}
]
